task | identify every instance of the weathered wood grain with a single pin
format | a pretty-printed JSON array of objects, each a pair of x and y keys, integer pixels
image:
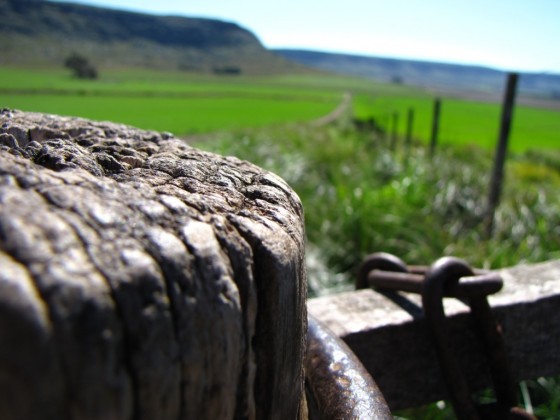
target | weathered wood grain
[
  {"x": 387, "y": 333},
  {"x": 142, "y": 278}
]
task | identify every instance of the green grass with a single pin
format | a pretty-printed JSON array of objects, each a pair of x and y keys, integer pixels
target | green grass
[
  {"x": 185, "y": 103},
  {"x": 359, "y": 196},
  {"x": 140, "y": 82},
  {"x": 172, "y": 101},
  {"x": 464, "y": 122},
  {"x": 381, "y": 200},
  {"x": 147, "y": 82},
  {"x": 180, "y": 116}
]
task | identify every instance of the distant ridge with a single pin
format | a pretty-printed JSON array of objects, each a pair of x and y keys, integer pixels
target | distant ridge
[
  {"x": 38, "y": 32},
  {"x": 424, "y": 73},
  {"x": 43, "y": 33}
]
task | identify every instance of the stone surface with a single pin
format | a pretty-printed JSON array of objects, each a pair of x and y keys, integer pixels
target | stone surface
[
  {"x": 142, "y": 278},
  {"x": 387, "y": 332}
]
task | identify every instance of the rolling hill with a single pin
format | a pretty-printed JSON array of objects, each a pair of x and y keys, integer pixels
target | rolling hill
[
  {"x": 43, "y": 33},
  {"x": 425, "y": 74},
  {"x": 38, "y": 32}
]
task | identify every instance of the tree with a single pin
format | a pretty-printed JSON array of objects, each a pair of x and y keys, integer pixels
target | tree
[{"x": 80, "y": 66}]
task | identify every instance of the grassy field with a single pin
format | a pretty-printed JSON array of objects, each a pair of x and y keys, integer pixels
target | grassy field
[
  {"x": 181, "y": 116},
  {"x": 174, "y": 102},
  {"x": 184, "y": 104},
  {"x": 345, "y": 170},
  {"x": 359, "y": 195},
  {"x": 464, "y": 122}
]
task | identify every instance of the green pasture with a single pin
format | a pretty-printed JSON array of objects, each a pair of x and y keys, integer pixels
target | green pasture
[
  {"x": 180, "y": 116},
  {"x": 359, "y": 195},
  {"x": 464, "y": 122},
  {"x": 153, "y": 83},
  {"x": 184, "y": 103},
  {"x": 176, "y": 102}
]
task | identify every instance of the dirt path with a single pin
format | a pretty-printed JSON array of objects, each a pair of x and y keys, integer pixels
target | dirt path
[
  {"x": 335, "y": 114},
  {"x": 340, "y": 111}
]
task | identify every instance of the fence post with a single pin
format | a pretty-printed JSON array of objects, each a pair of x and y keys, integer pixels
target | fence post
[
  {"x": 501, "y": 150},
  {"x": 435, "y": 125},
  {"x": 409, "y": 124},
  {"x": 384, "y": 126},
  {"x": 394, "y": 126}
]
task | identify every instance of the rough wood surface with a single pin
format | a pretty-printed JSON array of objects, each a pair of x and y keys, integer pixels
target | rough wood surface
[
  {"x": 144, "y": 279},
  {"x": 387, "y": 333}
]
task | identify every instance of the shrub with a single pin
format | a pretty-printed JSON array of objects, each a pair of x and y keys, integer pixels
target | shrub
[{"x": 81, "y": 67}]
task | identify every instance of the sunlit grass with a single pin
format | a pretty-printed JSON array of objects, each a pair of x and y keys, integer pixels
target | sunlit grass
[
  {"x": 360, "y": 198},
  {"x": 180, "y": 116},
  {"x": 464, "y": 122},
  {"x": 359, "y": 195},
  {"x": 185, "y": 103}
]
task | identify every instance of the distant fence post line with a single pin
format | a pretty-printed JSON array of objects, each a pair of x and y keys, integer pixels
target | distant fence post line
[
  {"x": 501, "y": 151},
  {"x": 496, "y": 181},
  {"x": 435, "y": 125}
]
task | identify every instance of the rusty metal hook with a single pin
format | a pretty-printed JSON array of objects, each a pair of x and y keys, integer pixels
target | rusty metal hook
[
  {"x": 453, "y": 277},
  {"x": 338, "y": 386},
  {"x": 378, "y": 261},
  {"x": 445, "y": 274}
]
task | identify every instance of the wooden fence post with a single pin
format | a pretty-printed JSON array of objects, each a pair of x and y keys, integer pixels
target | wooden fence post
[
  {"x": 394, "y": 127},
  {"x": 385, "y": 126},
  {"x": 435, "y": 125},
  {"x": 501, "y": 150},
  {"x": 196, "y": 311},
  {"x": 409, "y": 125}
]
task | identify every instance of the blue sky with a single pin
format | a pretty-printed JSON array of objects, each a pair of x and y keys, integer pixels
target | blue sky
[{"x": 511, "y": 35}]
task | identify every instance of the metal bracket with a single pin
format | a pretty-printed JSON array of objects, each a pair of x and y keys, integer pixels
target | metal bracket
[{"x": 452, "y": 277}]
